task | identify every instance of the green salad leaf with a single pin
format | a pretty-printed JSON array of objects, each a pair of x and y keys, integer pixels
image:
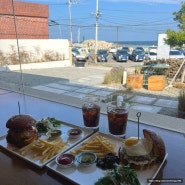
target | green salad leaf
[
  {"x": 105, "y": 181},
  {"x": 55, "y": 122},
  {"x": 119, "y": 175},
  {"x": 46, "y": 124}
]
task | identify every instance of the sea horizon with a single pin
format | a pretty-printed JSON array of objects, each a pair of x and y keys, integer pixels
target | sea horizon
[{"x": 134, "y": 44}]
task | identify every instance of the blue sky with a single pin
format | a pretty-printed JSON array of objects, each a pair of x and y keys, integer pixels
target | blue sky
[{"x": 119, "y": 20}]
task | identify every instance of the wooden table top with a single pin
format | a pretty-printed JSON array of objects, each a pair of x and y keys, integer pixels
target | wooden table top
[{"x": 18, "y": 171}]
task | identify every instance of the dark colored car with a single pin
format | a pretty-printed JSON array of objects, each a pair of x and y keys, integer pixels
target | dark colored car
[
  {"x": 141, "y": 48},
  {"x": 126, "y": 48},
  {"x": 121, "y": 55},
  {"x": 137, "y": 55},
  {"x": 102, "y": 55}
]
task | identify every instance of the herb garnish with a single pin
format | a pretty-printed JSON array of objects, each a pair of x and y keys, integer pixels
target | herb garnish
[
  {"x": 119, "y": 175},
  {"x": 46, "y": 124}
]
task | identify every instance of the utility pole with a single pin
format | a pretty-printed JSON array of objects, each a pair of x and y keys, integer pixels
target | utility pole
[
  {"x": 60, "y": 31},
  {"x": 78, "y": 38},
  {"x": 117, "y": 35},
  {"x": 70, "y": 2},
  {"x": 96, "y": 31}
]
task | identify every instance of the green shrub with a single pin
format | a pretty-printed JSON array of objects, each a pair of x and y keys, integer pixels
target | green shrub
[
  {"x": 115, "y": 76},
  {"x": 181, "y": 104}
]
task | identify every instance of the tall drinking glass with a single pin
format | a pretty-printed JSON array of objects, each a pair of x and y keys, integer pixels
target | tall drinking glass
[
  {"x": 91, "y": 111},
  {"x": 117, "y": 118}
]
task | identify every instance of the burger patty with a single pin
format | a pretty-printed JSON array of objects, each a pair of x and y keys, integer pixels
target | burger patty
[
  {"x": 140, "y": 160},
  {"x": 20, "y": 138},
  {"x": 24, "y": 134}
]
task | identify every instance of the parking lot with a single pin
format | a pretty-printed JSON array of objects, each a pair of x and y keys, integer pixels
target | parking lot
[{"x": 111, "y": 62}]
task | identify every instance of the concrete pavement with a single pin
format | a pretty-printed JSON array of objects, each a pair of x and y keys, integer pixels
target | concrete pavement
[
  {"x": 68, "y": 85},
  {"x": 78, "y": 82}
]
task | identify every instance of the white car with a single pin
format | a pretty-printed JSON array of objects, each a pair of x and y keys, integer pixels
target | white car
[
  {"x": 83, "y": 54},
  {"x": 83, "y": 50},
  {"x": 152, "y": 48},
  {"x": 112, "y": 50},
  {"x": 176, "y": 54},
  {"x": 152, "y": 55}
]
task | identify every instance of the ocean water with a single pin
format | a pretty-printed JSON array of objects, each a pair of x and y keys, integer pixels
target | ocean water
[{"x": 134, "y": 44}]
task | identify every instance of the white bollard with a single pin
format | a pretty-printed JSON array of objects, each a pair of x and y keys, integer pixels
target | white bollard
[{"x": 124, "y": 77}]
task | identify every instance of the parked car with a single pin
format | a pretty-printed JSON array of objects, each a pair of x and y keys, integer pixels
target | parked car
[
  {"x": 114, "y": 55},
  {"x": 126, "y": 48},
  {"x": 121, "y": 56},
  {"x": 176, "y": 54},
  {"x": 147, "y": 56},
  {"x": 83, "y": 54},
  {"x": 137, "y": 55},
  {"x": 183, "y": 51},
  {"x": 85, "y": 51},
  {"x": 152, "y": 48},
  {"x": 152, "y": 55},
  {"x": 75, "y": 52},
  {"x": 139, "y": 48},
  {"x": 102, "y": 55},
  {"x": 112, "y": 50}
]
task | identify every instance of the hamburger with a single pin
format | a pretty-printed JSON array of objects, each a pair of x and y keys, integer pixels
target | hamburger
[
  {"x": 22, "y": 130},
  {"x": 143, "y": 152}
]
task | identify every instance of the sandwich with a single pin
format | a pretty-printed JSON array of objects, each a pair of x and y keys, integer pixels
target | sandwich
[
  {"x": 143, "y": 152},
  {"x": 22, "y": 130}
]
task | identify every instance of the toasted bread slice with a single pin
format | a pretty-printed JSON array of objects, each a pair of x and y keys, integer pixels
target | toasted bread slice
[{"x": 158, "y": 143}]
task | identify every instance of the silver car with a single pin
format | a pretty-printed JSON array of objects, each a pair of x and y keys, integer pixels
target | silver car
[{"x": 176, "y": 54}]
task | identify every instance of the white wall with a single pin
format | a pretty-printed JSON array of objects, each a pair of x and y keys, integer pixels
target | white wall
[
  {"x": 36, "y": 46},
  {"x": 162, "y": 48}
]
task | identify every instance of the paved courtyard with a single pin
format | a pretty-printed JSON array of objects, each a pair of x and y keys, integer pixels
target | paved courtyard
[{"x": 78, "y": 82}]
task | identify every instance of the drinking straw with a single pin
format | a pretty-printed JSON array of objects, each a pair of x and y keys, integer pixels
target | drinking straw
[
  {"x": 138, "y": 123},
  {"x": 19, "y": 108}
]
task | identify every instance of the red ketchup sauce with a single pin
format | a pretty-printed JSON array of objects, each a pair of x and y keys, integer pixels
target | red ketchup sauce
[{"x": 65, "y": 160}]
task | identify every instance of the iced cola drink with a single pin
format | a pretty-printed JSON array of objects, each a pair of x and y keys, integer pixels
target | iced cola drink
[
  {"x": 117, "y": 118},
  {"x": 91, "y": 112}
]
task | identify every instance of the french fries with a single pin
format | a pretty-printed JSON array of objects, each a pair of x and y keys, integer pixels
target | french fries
[
  {"x": 98, "y": 145},
  {"x": 43, "y": 149}
]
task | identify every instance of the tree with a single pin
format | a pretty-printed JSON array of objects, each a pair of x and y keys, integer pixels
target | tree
[
  {"x": 180, "y": 17},
  {"x": 177, "y": 38}
]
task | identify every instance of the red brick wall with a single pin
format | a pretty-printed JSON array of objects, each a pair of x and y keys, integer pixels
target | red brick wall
[{"x": 31, "y": 20}]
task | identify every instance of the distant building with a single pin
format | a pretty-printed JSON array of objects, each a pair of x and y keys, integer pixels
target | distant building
[
  {"x": 31, "y": 20},
  {"x": 163, "y": 49}
]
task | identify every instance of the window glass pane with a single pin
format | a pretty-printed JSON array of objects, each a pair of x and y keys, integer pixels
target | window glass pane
[{"x": 42, "y": 40}]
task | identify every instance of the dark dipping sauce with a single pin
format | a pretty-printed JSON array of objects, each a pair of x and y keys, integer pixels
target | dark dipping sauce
[{"x": 74, "y": 132}]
